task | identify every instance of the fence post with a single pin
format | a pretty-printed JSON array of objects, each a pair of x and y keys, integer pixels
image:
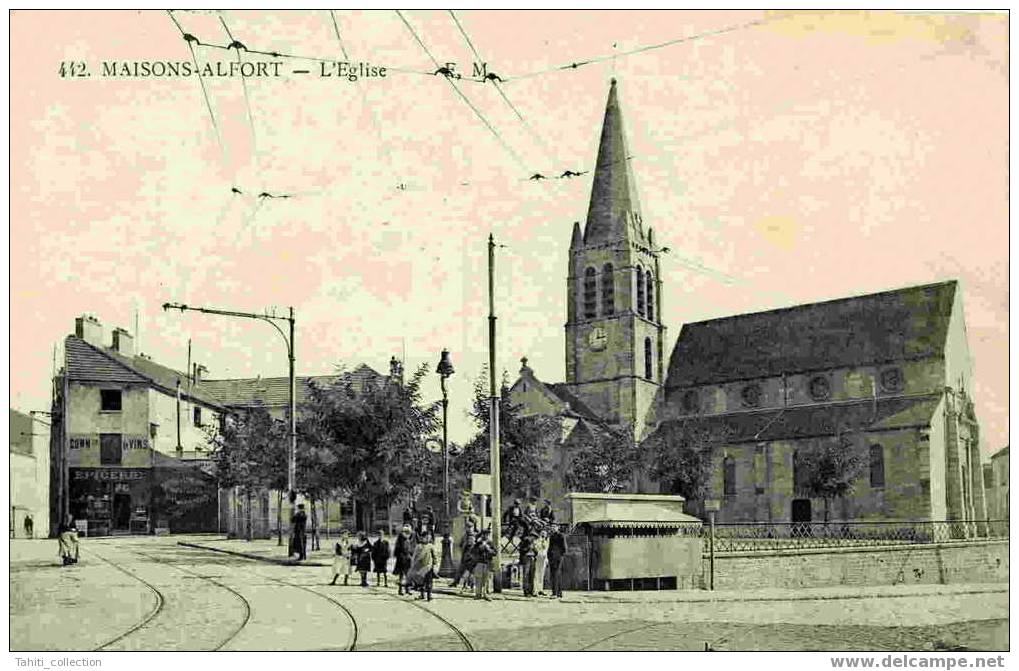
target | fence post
[{"x": 711, "y": 551}]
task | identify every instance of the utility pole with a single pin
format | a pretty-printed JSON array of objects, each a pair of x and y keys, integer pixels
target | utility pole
[
  {"x": 493, "y": 423},
  {"x": 288, "y": 339}
]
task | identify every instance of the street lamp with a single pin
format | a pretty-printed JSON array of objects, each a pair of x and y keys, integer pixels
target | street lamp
[
  {"x": 445, "y": 369},
  {"x": 292, "y": 420}
]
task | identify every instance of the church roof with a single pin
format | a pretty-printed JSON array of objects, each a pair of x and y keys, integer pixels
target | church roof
[
  {"x": 810, "y": 421},
  {"x": 888, "y": 326},
  {"x": 614, "y": 189},
  {"x": 575, "y": 404}
]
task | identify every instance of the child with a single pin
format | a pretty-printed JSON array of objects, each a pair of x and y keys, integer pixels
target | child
[
  {"x": 341, "y": 560},
  {"x": 380, "y": 557},
  {"x": 363, "y": 558}
]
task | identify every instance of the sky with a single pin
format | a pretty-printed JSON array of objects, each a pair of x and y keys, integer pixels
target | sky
[{"x": 784, "y": 158}]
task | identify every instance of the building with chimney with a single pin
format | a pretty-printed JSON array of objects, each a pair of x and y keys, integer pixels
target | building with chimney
[
  {"x": 131, "y": 454},
  {"x": 886, "y": 375},
  {"x": 129, "y": 442}
]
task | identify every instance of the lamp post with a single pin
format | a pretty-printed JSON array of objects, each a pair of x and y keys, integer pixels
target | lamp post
[
  {"x": 289, "y": 342},
  {"x": 445, "y": 369}
]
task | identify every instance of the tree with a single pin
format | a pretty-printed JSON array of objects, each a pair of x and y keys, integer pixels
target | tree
[
  {"x": 249, "y": 451},
  {"x": 368, "y": 443},
  {"x": 829, "y": 471},
  {"x": 523, "y": 442},
  {"x": 601, "y": 461},
  {"x": 680, "y": 456}
]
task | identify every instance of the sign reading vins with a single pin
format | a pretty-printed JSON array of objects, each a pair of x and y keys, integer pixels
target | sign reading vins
[{"x": 91, "y": 442}]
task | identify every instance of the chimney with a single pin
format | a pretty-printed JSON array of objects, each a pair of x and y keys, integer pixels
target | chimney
[
  {"x": 89, "y": 329},
  {"x": 123, "y": 342},
  {"x": 196, "y": 372}
]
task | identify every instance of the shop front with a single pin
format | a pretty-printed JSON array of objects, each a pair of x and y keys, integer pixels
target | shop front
[{"x": 110, "y": 501}]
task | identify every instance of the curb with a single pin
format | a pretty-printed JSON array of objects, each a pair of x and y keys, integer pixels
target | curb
[
  {"x": 699, "y": 596},
  {"x": 250, "y": 555}
]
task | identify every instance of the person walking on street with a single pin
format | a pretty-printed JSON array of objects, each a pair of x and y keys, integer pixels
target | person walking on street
[
  {"x": 540, "y": 560},
  {"x": 527, "y": 555},
  {"x": 67, "y": 539},
  {"x": 483, "y": 553},
  {"x": 363, "y": 558},
  {"x": 403, "y": 552},
  {"x": 29, "y": 526},
  {"x": 380, "y": 557},
  {"x": 341, "y": 559},
  {"x": 422, "y": 569},
  {"x": 556, "y": 552},
  {"x": 300, "y": 522}
]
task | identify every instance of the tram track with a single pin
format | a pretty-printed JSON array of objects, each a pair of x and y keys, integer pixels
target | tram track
[
  {"x": 160, "y": 602},
  {"x": 456, "y": 630},
  {"x": 350, "y": 615},
  {"x": 231, "y": 590},
  {"x": 161, "y": 598}
]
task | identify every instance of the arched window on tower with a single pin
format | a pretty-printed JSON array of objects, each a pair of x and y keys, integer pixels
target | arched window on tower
[
  {"x": 590, "y": 294},
  {"x": 640, "y": 291},
  {"x": 729, "y": 476},
  {"x": 648, "y": 358},
  {"x": 608, "y": 290},
  {"x": 650, "y": 282},
  {"x": 877, "y": 466}
]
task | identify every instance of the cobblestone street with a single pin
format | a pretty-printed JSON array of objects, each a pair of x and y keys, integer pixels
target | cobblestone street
[{"x": 153, "y": 594}]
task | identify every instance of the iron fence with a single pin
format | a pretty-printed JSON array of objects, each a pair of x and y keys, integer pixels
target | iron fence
[{"x": 768, "y": 537}]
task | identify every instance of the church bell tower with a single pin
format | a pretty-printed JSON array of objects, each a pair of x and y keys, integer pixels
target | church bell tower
[{"x": 614, "y": 333}]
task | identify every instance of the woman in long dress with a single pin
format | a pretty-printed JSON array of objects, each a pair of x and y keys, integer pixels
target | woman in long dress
[
  {"x": 422, "y": 569},
  {"x": 540, "y": 560}
]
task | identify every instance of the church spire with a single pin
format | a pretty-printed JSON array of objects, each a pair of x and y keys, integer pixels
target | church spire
[
  {"x": 614, "y": 211},
  {"x": 577, "y": 241}
]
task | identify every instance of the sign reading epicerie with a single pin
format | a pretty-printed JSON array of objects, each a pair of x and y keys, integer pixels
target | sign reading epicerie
[{"x": 120, "y": 474}]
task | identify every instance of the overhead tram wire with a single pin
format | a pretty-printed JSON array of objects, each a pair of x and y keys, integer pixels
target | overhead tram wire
[
  {"x": 544, "y": 145},
  {"x": 376, "y": 122},
  {"x": 477, "y": 112},
  {"x": 201, "y": 80},
  {"x": 679, "y": 40},
  {"x": 244, "y": 84}
]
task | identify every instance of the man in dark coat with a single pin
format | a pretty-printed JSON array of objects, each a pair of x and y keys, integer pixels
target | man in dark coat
[
  {"x": 512, "y": 520},
  {"x": 300, "y": 522},
  {"x": 380, "y": 557},
  {"x": 428, "y": 521},
  {"x": 556, "y": 552},
  {"x": 527, "y": 556}
]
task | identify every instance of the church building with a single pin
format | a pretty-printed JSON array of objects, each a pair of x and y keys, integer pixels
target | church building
[{"x": 886, "y": 375}]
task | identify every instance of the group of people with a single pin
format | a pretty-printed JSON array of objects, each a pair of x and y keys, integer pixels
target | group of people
[
  {"x": 361, "y": 556},
  {"x": 417, "y": 557},
  {"x": 519, "y": 521},
  {"x": 540, "y": 549}
]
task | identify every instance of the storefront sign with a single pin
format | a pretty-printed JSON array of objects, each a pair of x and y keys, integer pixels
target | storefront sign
[
  {"x": 91, "y": 442},
  {"x": 118, "y": 474}
]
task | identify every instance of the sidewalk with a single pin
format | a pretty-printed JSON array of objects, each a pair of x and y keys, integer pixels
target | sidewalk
[{"x": 269, "y": 551}]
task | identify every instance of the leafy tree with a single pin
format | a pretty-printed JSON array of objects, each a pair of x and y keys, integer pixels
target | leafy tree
[
  {"x": 250, "y": 452},
  {"x": 601, "y": 462},
  {"x": 680, "y": 456},
  {"x": 829, "y": 471},
  {"x": 368, "y": 443},
  {"x": 523, "y": 442}
]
